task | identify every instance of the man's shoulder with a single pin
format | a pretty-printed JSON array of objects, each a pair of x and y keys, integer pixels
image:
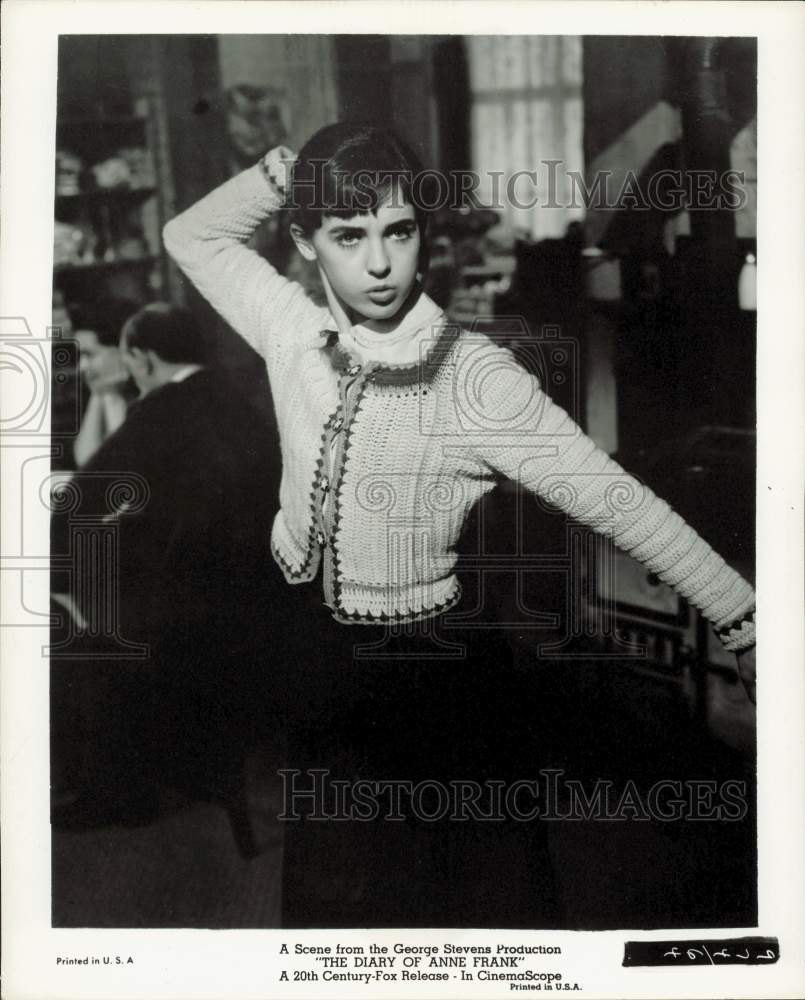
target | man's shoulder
[
  {"x": 184, "y": 421},
  {"x": 190, "y": 403},
  {"x": 159, "y": 424}
]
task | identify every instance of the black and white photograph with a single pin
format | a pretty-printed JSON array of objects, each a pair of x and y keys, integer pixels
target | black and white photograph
[{"x": 404, "y": 506}]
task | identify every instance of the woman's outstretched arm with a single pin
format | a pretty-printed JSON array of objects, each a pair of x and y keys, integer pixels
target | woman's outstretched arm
[
  {"x": 208, "y": 242},
  {"x": 533, "y": 441}
]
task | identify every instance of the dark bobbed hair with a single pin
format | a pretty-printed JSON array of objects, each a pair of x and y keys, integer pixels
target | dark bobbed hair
[
  {"x": 171, "y": 332},
  {"x": 350, "y": 168},
  {"x": 105, "y": 317}
]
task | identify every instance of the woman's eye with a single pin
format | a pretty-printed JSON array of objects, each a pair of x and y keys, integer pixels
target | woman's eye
[
  {"x": 347, "y": 240},
  {"x": 402, "y": 234}
]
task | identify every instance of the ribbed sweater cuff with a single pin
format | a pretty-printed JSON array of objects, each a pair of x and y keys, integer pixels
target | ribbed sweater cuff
[{"x": 739, "y": 634}]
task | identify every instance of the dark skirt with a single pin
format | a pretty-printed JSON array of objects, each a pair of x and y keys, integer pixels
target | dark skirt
[{"x": 402, "y": 747}]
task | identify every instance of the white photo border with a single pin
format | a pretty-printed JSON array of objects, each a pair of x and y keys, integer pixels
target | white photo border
[{"x": 198, "y": 963}]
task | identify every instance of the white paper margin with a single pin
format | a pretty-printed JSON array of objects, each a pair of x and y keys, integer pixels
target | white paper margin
[{"x": 201, "y": 964}]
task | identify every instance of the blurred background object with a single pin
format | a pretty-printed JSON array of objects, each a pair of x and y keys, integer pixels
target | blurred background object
[{"x": 256, "y": 120}]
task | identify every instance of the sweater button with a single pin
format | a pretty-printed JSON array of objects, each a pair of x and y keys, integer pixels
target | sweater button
[
  {"x": 338, "y": 424},
  {"x": 354, "y": 370},
  {"x": 320, "y": 538},
  {"x": 325, "y": 484}
]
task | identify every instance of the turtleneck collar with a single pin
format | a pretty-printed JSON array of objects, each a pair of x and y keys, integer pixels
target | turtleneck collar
[{"x": 403, "y": 345}]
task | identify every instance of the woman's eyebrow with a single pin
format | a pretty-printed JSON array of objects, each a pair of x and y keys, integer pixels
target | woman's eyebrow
[
  {"x": 400, "y": 224},
  {"x": 348, "y": 229},
  {"x": 352, "y": 229}
]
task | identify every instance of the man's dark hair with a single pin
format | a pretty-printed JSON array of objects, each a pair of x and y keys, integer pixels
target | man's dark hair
[
  {"x": 105, "y": 318},
  {"x": 171, "y": 332}
]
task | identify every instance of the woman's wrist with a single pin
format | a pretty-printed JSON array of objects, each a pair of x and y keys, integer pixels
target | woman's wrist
[
  {"x": 270, "y": 179},
  {"x": 739, "y": 635},
  {"x": 275, "y": 166}
]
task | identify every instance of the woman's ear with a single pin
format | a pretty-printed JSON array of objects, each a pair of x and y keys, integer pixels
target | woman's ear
[{"x": 303, "y": 243}]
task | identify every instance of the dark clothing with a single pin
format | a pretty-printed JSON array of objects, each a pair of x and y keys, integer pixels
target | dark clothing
[
  {"x": 437, "y": 708},
  {"x": 171, "y": 528},
  {"x": 187, "y": 484}
]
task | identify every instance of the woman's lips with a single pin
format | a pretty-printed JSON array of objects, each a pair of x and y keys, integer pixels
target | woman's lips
[{"x": 381, "y": 294}]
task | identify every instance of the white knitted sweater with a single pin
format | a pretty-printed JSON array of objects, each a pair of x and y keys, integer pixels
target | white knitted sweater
[{"x": 382, "y": 463}]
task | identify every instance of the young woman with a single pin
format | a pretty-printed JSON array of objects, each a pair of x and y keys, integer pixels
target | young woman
[{"x": 393, "y": 423}]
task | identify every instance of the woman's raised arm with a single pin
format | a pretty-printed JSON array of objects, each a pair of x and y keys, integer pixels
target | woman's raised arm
[{"x": 208, "y": 242}]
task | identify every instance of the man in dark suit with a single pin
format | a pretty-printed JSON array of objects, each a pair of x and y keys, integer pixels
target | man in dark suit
[{"x": 188, "y": 489}]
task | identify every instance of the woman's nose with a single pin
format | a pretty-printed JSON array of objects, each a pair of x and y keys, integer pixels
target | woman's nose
[{"x": 378, "y": 264}]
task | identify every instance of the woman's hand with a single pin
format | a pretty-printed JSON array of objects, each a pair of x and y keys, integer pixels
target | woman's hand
[
  {"x": 108, "y": 373},
  {"x": 277, "y": 165},
  {"x": 113, "y": 382},
  {"x": 746, "y": 671}
]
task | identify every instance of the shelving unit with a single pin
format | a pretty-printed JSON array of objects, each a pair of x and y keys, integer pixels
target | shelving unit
[
  {"x": 118, "y": 251},
  {"x": 108, "y": 225},
  {"x": 105, "y": 265},
  {"x": 101, "y": 196}
]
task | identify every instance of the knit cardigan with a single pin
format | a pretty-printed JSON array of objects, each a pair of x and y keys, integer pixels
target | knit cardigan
[{"x": 381, "y": 464}]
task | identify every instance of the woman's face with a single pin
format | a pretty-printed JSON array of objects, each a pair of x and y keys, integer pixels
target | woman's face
[
  {"x": 99, "y": 364},
  {"x": 370, "y": 260}
]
